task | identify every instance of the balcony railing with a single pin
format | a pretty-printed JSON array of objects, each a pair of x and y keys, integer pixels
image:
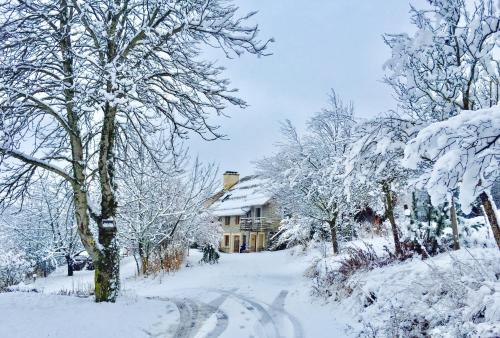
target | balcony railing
[{"x": 257, "y": 223}]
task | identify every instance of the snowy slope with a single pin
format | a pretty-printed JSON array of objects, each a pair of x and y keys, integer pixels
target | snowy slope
[
  {"x": 266, "y": 295},
  {"x": 453, "y": 294}
]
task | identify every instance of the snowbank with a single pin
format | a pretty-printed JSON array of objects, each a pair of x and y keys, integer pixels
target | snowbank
[{"x": 454, "y": 294}]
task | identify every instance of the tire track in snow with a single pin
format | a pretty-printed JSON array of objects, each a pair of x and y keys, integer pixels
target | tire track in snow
[
  {"x": 189, "y": 318},
  {"x": 279, "y": 301},
  {"x": 278, "y": 306},
  {"x": 193, "y": 314},
  {"x": 271, "y": 327},
  {"x": 221, "y": 317}
]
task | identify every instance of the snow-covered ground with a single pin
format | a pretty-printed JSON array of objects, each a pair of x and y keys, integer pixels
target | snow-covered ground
[
  {"x": 266, "y": 295},
  {"x": 245, "y": 295}
]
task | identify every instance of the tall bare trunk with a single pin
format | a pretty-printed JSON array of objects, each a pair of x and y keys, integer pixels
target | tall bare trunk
[
  {"x": 454, "y": 224},
  {"x": 491, "y": 215},
  {"x": 107, "y": 270},
  {"x": 389, "y": 213},
  {"x": 333, "y": 231},
  {"x": 79, "y": 184},
  {"x": 107, "y": 267}
]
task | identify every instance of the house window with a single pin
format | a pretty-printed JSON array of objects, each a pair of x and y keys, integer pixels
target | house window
[
  {"x": 226, "y": 240},
  {"x": 237, "y": 220},
  {"x": 227, "y": 220},
  {"x": 257, "y": 212}
]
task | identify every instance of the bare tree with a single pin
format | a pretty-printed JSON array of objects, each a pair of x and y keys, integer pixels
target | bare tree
[{"x": 78, "y": 78}]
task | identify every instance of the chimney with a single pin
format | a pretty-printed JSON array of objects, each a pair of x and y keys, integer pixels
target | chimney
[{"x": 230, "y": 179}]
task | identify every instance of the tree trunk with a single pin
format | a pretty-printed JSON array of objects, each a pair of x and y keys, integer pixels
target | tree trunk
[
  {"x": 78, "y": 185},
  {"x": 333, "y": 231},
  {"x": 107, "y": 266},
  {"x": 454, "y": 224},
  {"x": 491, "y": 215},
  {"x": 107, "y": 269},
  {"x": 144, "y": 259},
  {"x": 389, "y": 213},
  {"x": 138, "y": 268},
  {"x": 69, "y": 262}
]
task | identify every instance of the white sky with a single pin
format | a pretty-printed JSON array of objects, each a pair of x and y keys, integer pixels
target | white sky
[{"x": 320, "y": 44}]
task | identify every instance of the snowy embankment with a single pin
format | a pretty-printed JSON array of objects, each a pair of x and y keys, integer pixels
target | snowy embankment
[{"x": 453, "y": 294}]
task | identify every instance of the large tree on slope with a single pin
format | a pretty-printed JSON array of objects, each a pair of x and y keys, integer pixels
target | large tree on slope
[
  {"x": 465, "y": 154},
  {"x": 77, "y": 78},
  {"x": 448, "y": 65}
]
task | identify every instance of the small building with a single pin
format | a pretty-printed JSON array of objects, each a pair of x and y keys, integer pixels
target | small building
[{"x": 247, "y": 212}]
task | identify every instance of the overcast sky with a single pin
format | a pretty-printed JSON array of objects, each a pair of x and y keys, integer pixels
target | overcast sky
[{"x": 320, "y": 44}]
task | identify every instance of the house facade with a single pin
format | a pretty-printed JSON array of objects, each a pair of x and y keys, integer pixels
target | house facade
[{"x": 247, "y": 212}]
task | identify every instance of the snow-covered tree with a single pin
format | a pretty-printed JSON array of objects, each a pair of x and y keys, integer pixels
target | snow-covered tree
[
  {"x": 44, "y": 226},
  {"x": 448, "y": 65},
  {"x": 163, "y": 202},
  {"x": 464, "y": 152},
  {"x": 374, "y": 161},
  {"x": 77, "y": 78},
  {"x": 13, "y": 267},
  {"x": 306, "y": 172}
]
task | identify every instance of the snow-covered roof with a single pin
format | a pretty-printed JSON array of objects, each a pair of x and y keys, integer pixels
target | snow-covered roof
[{"x": 237, "y": 201}]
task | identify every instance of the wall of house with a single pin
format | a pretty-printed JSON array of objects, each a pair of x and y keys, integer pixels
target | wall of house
[
  {"x": 261, "y": 239},
  {"x": 269, "y": 210},
  {"x": 229, "y": 230}
]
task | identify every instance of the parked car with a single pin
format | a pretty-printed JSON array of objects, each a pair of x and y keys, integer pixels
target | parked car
[{"x": 82, "y": 261}]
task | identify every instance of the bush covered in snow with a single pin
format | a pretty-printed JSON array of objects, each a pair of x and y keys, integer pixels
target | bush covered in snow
[
  {"x": 13, "y": 268},
  {"x": 455, "y": 294}
]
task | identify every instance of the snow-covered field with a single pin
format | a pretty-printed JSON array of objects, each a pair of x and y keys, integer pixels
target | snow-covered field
[{"x": 245, "y": 295}]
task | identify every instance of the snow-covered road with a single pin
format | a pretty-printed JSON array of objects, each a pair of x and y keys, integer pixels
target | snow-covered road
[
  {"x": 245, "y": 295},
  {"x": 230, "y": 312}
]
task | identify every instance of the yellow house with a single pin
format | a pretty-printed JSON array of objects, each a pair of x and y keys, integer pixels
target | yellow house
[{"x": 247, "y": 213}]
